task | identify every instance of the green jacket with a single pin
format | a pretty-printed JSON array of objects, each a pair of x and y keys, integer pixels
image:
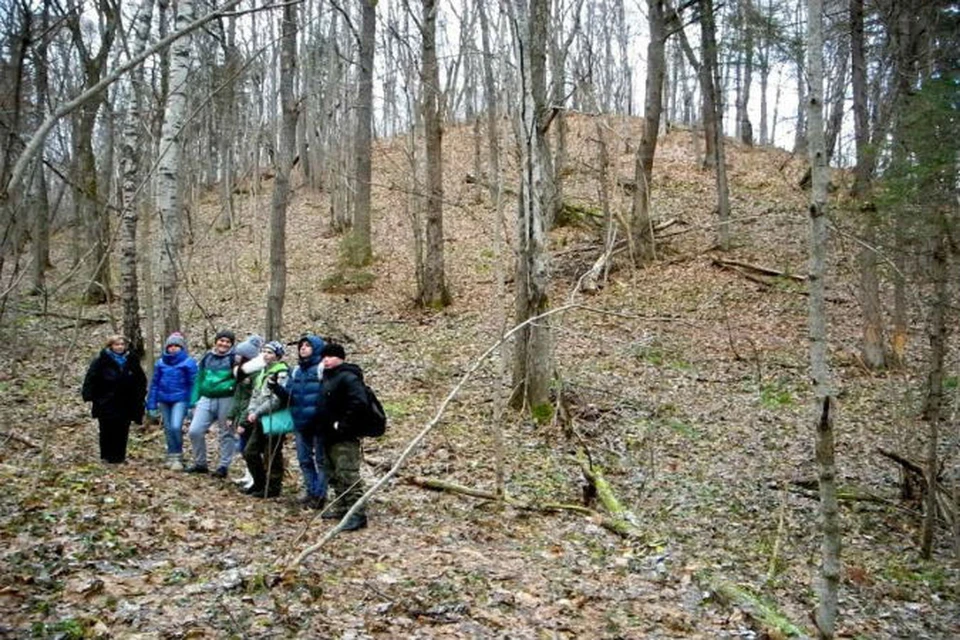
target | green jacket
[{"x": 214, "y": 379}]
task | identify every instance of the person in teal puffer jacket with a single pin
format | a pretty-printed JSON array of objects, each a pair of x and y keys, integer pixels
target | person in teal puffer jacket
[
  {"x": 213, "y": 397},
  {"x": 170, "y": 390}
]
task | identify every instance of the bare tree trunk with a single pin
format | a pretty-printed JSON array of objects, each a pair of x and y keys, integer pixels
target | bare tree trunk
[
  {"x": 168, "y": 171},
  {"x": 228, "y": 128},
  {"x": 872, "y": 347},
  {"x": 934, "y": 400},
  {"x": 434, "y": 292},
  {"x": 90, "y": 209},
  {"x": 490, "y": 97},
  {"x": 827, "y": 587},
  {"x": 273, "y": 324},
  {"x": 744, "y": 126},
  {"x": 41, "y": 219},
  {"x": 640, "y": 227},
  {"x": 360, "y": 248},
  {"x": 130, "y": 206},
  {"x": 533, "y": 357},
  {"x": 710, "y": 85}
]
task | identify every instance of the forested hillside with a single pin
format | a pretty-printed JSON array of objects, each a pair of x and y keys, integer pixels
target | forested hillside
[
  {"x": 645, "y": 376},
  {"x": 683, "y": 382}
]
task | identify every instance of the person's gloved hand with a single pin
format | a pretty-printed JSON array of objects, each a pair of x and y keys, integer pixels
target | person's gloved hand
[{"x": 153, "y": 415}]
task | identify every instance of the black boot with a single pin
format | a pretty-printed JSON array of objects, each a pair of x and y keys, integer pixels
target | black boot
[{"x": 356, "y": 521}]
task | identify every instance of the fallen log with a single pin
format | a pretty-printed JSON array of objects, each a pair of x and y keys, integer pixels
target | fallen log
[
  {"x": 767, "y": 271},
  {"x": 773, "y": 622},
  {"x": 613, "y": 525},
  {"x": 18, "y": 438}
]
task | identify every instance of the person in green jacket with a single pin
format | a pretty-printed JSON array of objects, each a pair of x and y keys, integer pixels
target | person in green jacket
[
  {"x": 264, "y": 453},
  {"x": 212, "y": 399}
]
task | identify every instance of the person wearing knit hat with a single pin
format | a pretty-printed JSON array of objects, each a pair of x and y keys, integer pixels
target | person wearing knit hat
[
  {"x": 115, "y": 384},
  {"x": 212, "y": 398},
  {"x": 264, "y": 451},
  {"x": 246, "y": 362},
  {"x": 277, "y": 348},
  {"x": 169, "y": 395}
]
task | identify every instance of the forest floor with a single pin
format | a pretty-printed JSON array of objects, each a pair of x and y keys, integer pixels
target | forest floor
[{"x": 685, "y": 380}]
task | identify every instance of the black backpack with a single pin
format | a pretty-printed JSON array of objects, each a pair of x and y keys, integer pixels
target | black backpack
[{"x": 375, "y": 422}]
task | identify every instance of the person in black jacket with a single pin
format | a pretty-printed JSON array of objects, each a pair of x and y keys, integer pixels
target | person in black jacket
[
  {"x": 116, "y": 385},
  {"x": 345, "y": 405}
]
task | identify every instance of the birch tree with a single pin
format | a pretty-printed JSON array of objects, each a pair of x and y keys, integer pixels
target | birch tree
[
  {"x": 168, "y": 170},
  {"x": 824, "y": 406}
]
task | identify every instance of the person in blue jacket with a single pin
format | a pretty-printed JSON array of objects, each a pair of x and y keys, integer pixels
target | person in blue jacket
[
  {"x": 170, "y": 388},
  {"x": 304, "y": 395}
]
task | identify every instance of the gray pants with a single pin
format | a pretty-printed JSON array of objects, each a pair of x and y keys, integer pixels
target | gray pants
[{"x": 205, "y": 413}]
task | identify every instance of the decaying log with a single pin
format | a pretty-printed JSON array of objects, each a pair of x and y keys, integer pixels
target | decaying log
[
  {"x": 724, "y": 263},
  {"x": 772, "y": 621},
  {"x": 19, "y": 438},
  {"x": 623, "y": 520},
  {"x": 615, "y": 525}
]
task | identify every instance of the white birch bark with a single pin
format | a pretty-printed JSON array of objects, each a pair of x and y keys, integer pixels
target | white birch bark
[{"x": 168, "y": 169}]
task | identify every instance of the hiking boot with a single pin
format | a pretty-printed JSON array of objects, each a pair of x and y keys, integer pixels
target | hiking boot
[
  {"x": 312, "y": 502},
  {"x": 174, "y": 462},
  {"x": 356, "y": 521},
  {"x": 220, "y": 472},
  {"x": 252, "y": 490},
  {"x": 333, "y": 514},
  {"x": 197, "y": 468},
  {"x": 269, "y": 493}
]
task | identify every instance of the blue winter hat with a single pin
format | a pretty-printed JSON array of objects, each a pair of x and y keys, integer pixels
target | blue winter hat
[
  {"x": 249, "y": 348},
  {"x": 276, "y": 347}
]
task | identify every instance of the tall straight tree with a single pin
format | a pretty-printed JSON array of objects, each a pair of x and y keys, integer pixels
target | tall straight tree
[
  {"x": 640, "y": 228},
  {"x": 710, "y": 85},
  {"x": 872, "y": 344},
  {"x": 824, "y": 406},
  {"x": 41, "y": 216},
  {"x": 533, "y": 356},
  {"x": 168, "y": 171},
  {"x": 433, "y": 288},
  {"x": 273, "y": 325},
  {"x": 130, "y": 167},
  {"x": 360, "y": 248}
]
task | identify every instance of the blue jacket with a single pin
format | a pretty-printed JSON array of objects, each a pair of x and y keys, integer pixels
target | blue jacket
[
  {"x": 305, "y": 390},
  {"x": 173, "y": 378}
]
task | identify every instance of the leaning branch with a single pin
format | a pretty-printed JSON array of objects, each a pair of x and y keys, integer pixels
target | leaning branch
[{"x": 415, "y": 443}]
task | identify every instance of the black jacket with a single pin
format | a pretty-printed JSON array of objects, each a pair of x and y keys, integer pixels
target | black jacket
[
  {"x": 116, "y": 393},
  {"x": 345, "y": 402}
]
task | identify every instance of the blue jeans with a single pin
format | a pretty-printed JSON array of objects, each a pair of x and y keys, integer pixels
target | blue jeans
[
  {"x": 310, "y": 456},
  {"x": 173, "y": 414}
]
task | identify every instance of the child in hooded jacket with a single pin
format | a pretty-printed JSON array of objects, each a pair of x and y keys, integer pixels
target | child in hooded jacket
[{"x": 170, "y": 388}]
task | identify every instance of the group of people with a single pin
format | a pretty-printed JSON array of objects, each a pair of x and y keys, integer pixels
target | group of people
[{"x": 255, "y": 398}]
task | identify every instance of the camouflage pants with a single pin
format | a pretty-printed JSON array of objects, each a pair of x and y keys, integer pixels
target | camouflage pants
[{"x": 342, "y": 460}]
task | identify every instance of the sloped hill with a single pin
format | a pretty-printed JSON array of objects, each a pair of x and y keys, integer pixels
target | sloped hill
[{"x": 687, "y": 383}]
